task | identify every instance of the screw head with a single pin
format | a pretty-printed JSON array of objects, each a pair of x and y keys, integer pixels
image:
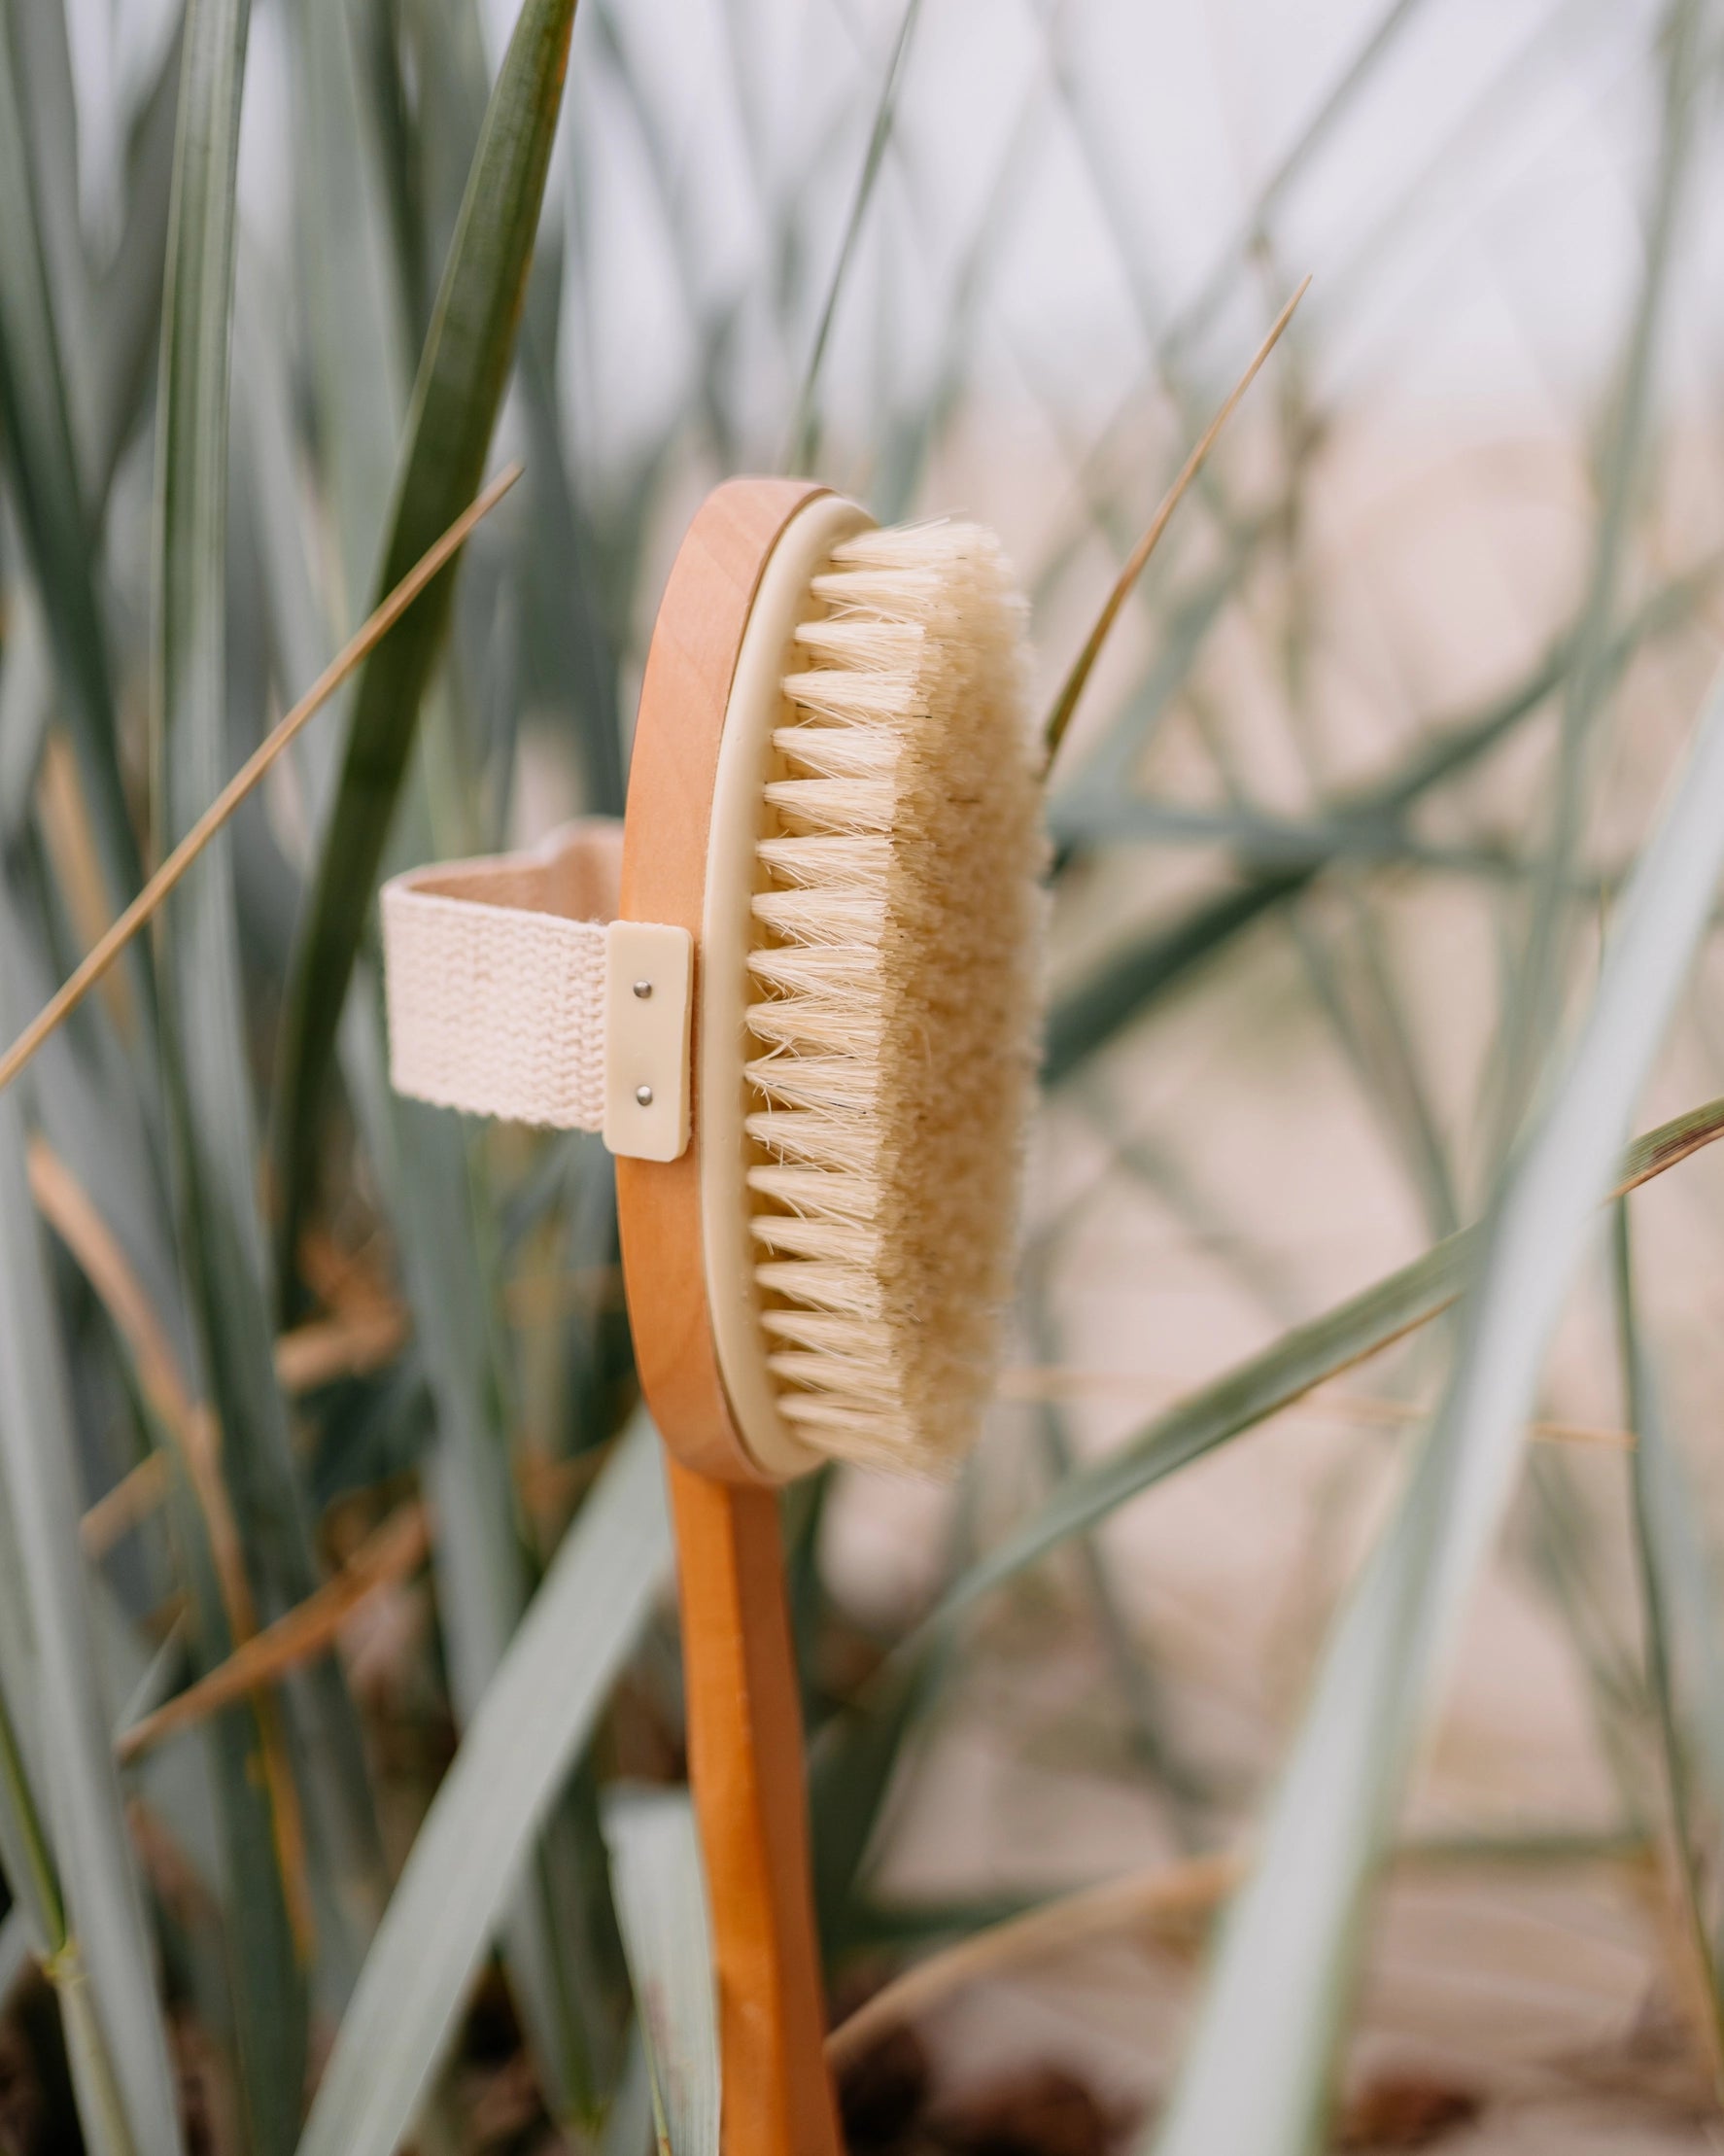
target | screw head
[
  {"x": 644, "y": 1094},
  {"x": 643, "y": 989}
]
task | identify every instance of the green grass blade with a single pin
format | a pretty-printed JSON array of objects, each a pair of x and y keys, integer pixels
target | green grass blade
[
  {"x": 560, "y": 1949},
  {"x": 1256, "y": 1388},
  {"x": 461, "y": 375},
  {"x": 17, "y": 1951},
  {"x": 1684, "y": 1626},
  {"x": 40, "y": 53},
  {"x": 42, "y": 461},
  {"x": 804, "y": 444},
  {"x": 124, "y": 2047},
  {"x": 661, "y": 1899},
  {"x": 26, "y": 706},
  {"x": 1287, "y": 1962},
  {"x": 128, "y": 299},
  {"x": 469, "y": 1855},
  {"x": 1090, "y": 1015},
  {"x": 852, "y": 1765},
  {"x": 31, "y": 1876},
  {"x": 1536, "y": 1006},
  {"x": 354, "y": 307},
  {"x": 483, "y": 1581},
  {"x": 1277, "y": 1375},
  {"x": 1099, "y": 1007},
  {"x": 1381, "y": 39},
  {"x": 223, "y": 1245}
]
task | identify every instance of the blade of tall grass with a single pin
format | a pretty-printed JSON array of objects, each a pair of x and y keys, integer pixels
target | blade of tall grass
[
  {"x": 210, "y": 822},
  {"x": 533, "y": 1723},
  {"x": 1536, "y": 1007},
  {"x": 42, "y": 58},
  {"x": 463, "y": 372},
  {"x": 32, "y": 1878},
  {"x": 1273, "y": 1378},
  {"x": 1183, "y": 627},
  {"x": 355, "y": 309},
  {"x": 16, "y": 1953},
  {"x": 46, "y": 485},
  {"x": 128, "y": 295},
  {"x": 1134, "y": 1681},
  {"x": 1100, "y": 1006},
  {"x": 262, "y": 1808},
  {"x": 803, "y": 444},
  {"x": 661, "y": 1897},
  {"x": 1287, "y": 1962},
  {"x": 912, "y": 440},
  {"x": 1259, "y": 840},
  {"x": 420, "y": 1155},
  {"x": 26, "y": 706},
  {"x": 1684, "y": 1663},
  {"x": 223, "y": 1245},
  {"x": 569, "y": 651},
  {"x": 1196, "y": 316},
  {"x": 711, "y": 326},
  {"x": 1076, "y": 676},
  {"x": 1183, "y": 336},
  {"x": 34, "y": 1934},
  {"x": 126, "y": 2085},
  {"x": 852, "y": 1764},
  {"x": 483, "y": 1583}
]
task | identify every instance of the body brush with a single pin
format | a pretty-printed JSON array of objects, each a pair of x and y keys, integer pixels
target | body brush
[{"x": 801, "y": 999}]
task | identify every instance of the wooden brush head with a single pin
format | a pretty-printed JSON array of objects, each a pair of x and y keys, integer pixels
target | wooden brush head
[{"x": 835, "y": 788}]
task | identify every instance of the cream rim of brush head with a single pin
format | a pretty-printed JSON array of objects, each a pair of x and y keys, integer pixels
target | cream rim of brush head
[
  {"x": 742, "y": 819},
  {"x": 835, "y": 797}
]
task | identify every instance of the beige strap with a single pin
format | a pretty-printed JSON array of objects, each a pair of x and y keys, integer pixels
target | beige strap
[
  {"x": 495, "y": 974},
  {"x": 514, "y": 992}
]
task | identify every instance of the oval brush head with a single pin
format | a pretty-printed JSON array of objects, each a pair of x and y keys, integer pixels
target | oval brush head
[{"x": 896, "y": 966}]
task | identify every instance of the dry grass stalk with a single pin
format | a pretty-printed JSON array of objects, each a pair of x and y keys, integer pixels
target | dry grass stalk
[
  {"x": 395, "y": 1551},
  {"x": 70, "y": 1213},
  {"x": 542, "y": 1297},
  {"x": 249, "y": 774},
  {"x": 1053, "y": 1381},
  {"x": 64, "y": 816},
  {"x": 191, "y": 1428},
  {"x": 1160, "y": 1902},
  {"x": 127, "y": 1504},
  {"x": 1066, "y": 703},
  {"x": 347, "y": 1346},
  {"x": 1168, "y": 1896}
]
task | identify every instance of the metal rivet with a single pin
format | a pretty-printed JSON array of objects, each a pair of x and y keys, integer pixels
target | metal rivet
[
  {"x": 644, "y": 1094},
  {"x": 643, "y": 989}
]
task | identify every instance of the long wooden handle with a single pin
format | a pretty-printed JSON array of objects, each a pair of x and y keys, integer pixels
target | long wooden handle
[
  {"x": 744, "y": 1721},
  {"x": 745, "y": 1764}
]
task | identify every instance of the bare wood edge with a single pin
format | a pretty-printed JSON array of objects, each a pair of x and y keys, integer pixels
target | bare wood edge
[{"x": 690, "y": 665}]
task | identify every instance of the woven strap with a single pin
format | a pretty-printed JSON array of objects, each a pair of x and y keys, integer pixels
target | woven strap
[{"x": 495, "y": 975}]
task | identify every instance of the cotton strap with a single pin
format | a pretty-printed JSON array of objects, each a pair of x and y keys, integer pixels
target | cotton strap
[{"x": 495, "y": 973}]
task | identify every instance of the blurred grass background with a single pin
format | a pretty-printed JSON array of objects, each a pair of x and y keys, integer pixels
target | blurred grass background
[{"x": 308, "y": 1396}]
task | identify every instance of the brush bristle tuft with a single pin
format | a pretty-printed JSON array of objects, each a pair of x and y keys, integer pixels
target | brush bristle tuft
[{"x": 898, "y": 976}]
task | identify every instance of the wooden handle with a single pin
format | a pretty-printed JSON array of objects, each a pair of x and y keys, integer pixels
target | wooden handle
[
  {"x": 746, "y": 1763},
  {"x": 745, "y": 1759}
]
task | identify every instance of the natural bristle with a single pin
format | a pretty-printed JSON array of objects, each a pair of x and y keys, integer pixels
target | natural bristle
[{"x": 897, "y": 973}]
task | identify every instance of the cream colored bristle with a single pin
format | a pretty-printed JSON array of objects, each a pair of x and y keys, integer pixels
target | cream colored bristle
[{"x": 897, "y": 978}]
